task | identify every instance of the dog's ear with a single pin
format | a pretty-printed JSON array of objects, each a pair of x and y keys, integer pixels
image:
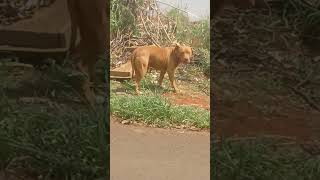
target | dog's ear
[
  {"x": 175, "y": 42},
  {"x": 176, "y": 46}
]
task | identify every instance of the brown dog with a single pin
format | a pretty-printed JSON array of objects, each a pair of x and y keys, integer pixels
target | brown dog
[
  {"x": 164, "y": 59},
  {"x": 91, "y": 19}
]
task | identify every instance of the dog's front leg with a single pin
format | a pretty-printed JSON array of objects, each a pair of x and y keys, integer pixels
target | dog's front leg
[
  {"x": 172, "y": 80},
  {"x": 162, "y": 73}
]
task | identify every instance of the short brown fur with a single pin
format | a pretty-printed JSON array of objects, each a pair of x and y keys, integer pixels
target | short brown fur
[{"x": 166, "y": 60}]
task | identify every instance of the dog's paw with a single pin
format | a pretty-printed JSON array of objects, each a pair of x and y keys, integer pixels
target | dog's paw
[{"x": 178, "y": 91}]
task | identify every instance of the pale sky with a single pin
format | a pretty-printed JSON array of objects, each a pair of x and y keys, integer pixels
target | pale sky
[{"x": 197, "y": 8}]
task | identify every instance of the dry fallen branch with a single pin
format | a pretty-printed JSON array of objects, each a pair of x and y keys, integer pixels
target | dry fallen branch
[
  {"x": 149, "y": 34},
  {"x": 305, "y": 81},
  {"x": 153, "y": 27}
]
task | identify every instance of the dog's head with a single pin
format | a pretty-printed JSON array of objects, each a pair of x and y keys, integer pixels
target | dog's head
[{"x": 183, "y": 53}]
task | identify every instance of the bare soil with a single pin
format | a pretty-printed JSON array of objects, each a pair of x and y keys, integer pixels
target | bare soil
[
  {"x": 243, "y": 119},
  {"x": 198, "y": 100}
]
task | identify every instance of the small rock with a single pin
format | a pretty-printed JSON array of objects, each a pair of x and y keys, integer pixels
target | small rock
[
  {"x": 193, "y": 128},
  {"x": 125, "y": 122},
  {"x": 121, "y": 93}
]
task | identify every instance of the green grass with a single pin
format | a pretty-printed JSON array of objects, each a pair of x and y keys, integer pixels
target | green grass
[
  {"x": 56, "y": 138},
  {"x": 57, "y": 141},
  {"x": 259, "y": 160},
  {"x": 158, "y": 111}
]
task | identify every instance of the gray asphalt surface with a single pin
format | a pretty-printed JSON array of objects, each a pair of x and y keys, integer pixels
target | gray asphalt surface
[{"x": 142, "y": 153}]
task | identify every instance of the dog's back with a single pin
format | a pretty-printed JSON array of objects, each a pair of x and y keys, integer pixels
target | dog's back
[{"x": 153, "y": 56}]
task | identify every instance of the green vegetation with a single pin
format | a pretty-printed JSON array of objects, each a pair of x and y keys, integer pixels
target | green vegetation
[
  {"x": 156, "y": 110},
  {"x": 122, "y": 17},
  {"x": 262, "y": 159},
  {"x": 188, "y": 32},
  {"x": 44, "y": 129}
]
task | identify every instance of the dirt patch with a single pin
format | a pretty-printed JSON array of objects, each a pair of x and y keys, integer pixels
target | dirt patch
[
  {"x": 198, "y": 100},
  {"x": 243, "y": 119}
]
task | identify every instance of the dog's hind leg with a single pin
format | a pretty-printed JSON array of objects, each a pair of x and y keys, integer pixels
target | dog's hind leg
[
  {"x": 137, "y": 86},
  {"x": 140, "y": 69}
]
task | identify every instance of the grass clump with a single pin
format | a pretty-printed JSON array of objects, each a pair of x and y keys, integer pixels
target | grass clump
[
  {"x": 46, "y": 134},
  {"x": 156, "y": 110},
  {"x": 55, "y": 143},
  {"x": 259, "y": 160}
]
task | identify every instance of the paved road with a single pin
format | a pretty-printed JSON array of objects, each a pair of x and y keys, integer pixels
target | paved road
[{"x": 141, "y": 153}]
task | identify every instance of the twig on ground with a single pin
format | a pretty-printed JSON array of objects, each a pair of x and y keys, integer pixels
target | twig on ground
[
  {"x": 305, "y": 98},
  {"x": 304, "y": 81},
  {"x": 237, "y": 139}
]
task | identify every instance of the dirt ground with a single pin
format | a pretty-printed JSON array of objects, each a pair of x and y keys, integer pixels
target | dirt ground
[
  {"x": 243, "y": 119},
  {"x": 198, "y": 100}
]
